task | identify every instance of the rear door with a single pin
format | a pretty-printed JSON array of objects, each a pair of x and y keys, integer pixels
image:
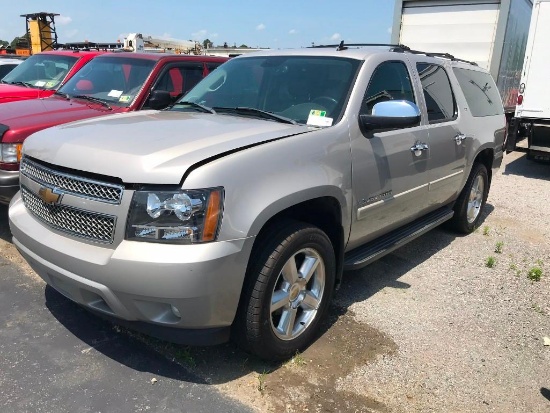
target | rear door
[{"x": 447, "y": 142}]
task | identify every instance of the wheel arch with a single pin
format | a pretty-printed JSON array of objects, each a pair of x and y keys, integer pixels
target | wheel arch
[
  {"x": 324, "y": 211},
  {"x": 485, "y": 157}
]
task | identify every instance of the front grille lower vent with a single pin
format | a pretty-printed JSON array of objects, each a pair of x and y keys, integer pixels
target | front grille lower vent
[
  {"x": 71, "y": 184},
  {"x": 77, "y": 222}
]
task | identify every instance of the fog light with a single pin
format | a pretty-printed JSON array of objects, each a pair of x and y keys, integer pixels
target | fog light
[{"x": 175, "y": 310}]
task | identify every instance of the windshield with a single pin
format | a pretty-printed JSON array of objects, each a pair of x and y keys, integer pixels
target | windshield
[
  {"x": 115, "y": 81},
  {"x": 287, "y": 86},
  {"x": 42, "y": 71}
]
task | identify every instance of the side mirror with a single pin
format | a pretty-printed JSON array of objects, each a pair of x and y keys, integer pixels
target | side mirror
[
  {"x": 393, "y": 114},
  {"x": 159, "y": 99}
]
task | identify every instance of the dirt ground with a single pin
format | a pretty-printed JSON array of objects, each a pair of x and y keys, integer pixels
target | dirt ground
[{"x": 445, "y": 324}]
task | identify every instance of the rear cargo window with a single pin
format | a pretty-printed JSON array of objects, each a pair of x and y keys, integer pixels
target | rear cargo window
[
  {"x": 440, "y": 101},
  {"x": 480, "y": 91}
]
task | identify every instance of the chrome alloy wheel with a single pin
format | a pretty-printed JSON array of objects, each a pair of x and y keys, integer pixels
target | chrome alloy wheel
[
  {"x": 297, "y": 294},
  {"x": 476, "y": 199}
]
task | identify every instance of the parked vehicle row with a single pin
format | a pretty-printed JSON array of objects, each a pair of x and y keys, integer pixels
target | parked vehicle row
[
  {"x": 234, "y": 212},
  {"x": 109, "y": 83},
  {"x": 7, "y": 64}
]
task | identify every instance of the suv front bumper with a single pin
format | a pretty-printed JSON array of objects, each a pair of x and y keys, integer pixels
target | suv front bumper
[{"x": 182, "y": 293}]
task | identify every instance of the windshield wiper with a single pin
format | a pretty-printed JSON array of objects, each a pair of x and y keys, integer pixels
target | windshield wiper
[
  {"x": 197, "y": 105},
  {"x": 92, "y": 99},
  {"x": 242, "y": 110},
  {"x": 22, "y": 84},
  {"x": 65, "y": 95}
]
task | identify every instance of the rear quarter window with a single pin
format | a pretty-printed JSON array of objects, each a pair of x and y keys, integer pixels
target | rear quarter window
[{"x": 480, "y": 91}]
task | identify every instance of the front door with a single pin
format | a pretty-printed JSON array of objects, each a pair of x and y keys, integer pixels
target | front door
[{"x": 390, "y": 182}]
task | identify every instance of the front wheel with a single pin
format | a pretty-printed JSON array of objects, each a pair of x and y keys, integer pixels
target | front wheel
[
  {"x": 287, "y": 291},
  {"x": 471, "y": 201}
]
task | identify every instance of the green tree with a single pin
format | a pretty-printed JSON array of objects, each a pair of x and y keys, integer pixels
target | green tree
[
  {"x": 4, "y": 43},
  {"x": 207, "y": 43},
  {"x": 243, "y": 46}
]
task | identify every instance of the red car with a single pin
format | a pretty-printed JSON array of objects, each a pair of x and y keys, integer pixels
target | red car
[
  {"x": 111, "y": 83},
  {"x": 41, "y": 74}
]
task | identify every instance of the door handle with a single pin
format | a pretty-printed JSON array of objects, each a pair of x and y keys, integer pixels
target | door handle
[
  {"x": 418, "y": 148},
  {"x": 460, "y": 138}
]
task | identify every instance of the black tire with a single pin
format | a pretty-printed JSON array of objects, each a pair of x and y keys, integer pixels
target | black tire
[
  {"x": 468, "y": 211},
  {"x": 259, "y": 328}
]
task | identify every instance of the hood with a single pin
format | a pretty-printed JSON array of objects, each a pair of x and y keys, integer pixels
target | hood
[
  {"x": 13, "y": 93},
  {"x": 150, "y": 147},
  {"x": 29, "y": 116}
]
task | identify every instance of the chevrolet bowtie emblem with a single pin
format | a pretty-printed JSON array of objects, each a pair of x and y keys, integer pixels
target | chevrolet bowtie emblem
[{"x": 49, "y": 196}]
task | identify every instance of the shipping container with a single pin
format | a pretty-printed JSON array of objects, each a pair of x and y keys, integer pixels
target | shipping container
[{"x": 491, "y": 33}]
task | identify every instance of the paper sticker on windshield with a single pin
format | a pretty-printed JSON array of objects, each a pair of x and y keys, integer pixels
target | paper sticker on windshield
[
  {"x": 39, "y": 83},
  {"x": 115, "y": 93},
  {"x": 51, "y": 83},
  {"x": 125, "y": 98},
  {"x": 319, "y": 118}
]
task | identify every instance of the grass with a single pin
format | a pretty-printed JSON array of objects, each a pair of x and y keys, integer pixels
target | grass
[
  {"x": 537, "y": 308},
  {"x": 515, "y": 268},
  {"x": 262, "y": 385},
  {"x": 297, "y": 360},
  {"x": 486, "y": 230},
  {"x": 498, "y": 247},
  {"x": 490, "y": 262},
  {"x": 534, "y": 274}
]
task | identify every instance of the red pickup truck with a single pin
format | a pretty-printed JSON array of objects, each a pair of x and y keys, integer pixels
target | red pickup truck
[
  {"x": 41, "y": 74},
  {"x": 111, "y": 83}
]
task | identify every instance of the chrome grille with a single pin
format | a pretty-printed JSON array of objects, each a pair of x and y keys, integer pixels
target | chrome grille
[
  {"x": 77, "y": 222},
  {"x": 70, "y": 184}
]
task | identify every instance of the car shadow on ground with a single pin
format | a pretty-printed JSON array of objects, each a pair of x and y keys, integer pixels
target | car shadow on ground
[
  {"x": 545, "y": 393},
  {"x": 528, "y": 168},
  {"x": 223, "y": 363},
  {"x": 5, "y": 232}
]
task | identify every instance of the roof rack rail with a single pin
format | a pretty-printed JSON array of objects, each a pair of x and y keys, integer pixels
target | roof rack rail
[
  {"x": 399, "y": 48},
  {"x": 443, "y": 55},
  {"x": 342, "y": 46}
]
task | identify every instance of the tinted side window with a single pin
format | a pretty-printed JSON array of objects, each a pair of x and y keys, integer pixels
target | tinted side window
[
  {"x": 180, "y": 79},
  {"x": 480, "y": 91},
  {"x": 440, "y": 101},
  {"x": 390, "y": 81}
]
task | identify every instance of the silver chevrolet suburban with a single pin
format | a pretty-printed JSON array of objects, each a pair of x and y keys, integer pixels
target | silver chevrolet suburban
[{"x": 236, "y": 211}]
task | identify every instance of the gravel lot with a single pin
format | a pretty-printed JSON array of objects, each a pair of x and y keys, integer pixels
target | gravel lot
[{"x": 429, "y": 328}]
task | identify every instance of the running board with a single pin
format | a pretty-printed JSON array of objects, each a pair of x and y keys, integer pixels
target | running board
[{"x": 371, "y": 251}]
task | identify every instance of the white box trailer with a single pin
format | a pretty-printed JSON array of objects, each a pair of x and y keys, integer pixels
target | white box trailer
[
  {"x": 533, "y": 109},
  {"x": 490, "y": 33}
]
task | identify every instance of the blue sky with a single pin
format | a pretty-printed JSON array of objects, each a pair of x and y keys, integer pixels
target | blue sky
[{"x": 274, "y": 24}]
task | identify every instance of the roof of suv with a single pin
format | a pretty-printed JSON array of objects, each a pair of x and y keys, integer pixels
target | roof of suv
[{"x": 356, "y": 51}]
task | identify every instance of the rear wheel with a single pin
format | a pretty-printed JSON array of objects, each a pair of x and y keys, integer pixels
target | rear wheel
[
  {"x": 288, "y": 289},
  {"x": 471, "y": 201}
]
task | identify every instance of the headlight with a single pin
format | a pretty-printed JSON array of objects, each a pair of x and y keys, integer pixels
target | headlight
[
  {"x": 181, "y": 217},
  {"x": 10, "y": 152}
]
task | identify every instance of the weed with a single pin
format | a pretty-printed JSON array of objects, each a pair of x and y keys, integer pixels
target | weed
[
  {"x": 183, "y": 355},
  {"x": 297, "y": 360},
  {"x": 534, "y": 274},
  {"x": 262, "y": 385},
  {"x": 498, "y": 247},
  {"x": 515, "y": 268},
  {"x": 486, "y": 230},
  {"x": 537, "y": 308},
  {"x": 490, "y": 262},
  {"x": 540, "y": 263}
]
